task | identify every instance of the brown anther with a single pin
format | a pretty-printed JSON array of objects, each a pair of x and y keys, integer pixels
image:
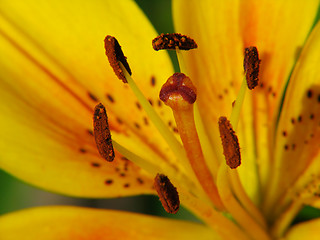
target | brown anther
[
  {"x": 167, "y": 193},
  {"x": 251, "y": 64},
  {"x": 115, "y": 55},
  {"x": 230, "y": 143},
  {"x": 102, "y": 134},
  {"x": 173, "y": 40},
  {"x": 178, "y": 87}
]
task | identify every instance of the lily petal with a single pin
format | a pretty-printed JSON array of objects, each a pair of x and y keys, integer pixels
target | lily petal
[
  {"x": 298, "y": 132},
  {"x": 81, "y": 223},
  {"x": 222, "y": 30},
  {"x": 53, "y": 72},
  {"x": 306, "y": 230}
]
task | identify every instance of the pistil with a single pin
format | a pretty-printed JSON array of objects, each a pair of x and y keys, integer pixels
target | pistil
[{"x": 180, "y": 94}]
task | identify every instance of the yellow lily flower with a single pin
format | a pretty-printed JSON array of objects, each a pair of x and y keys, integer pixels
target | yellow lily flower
[{"x": 54, "y": 72}]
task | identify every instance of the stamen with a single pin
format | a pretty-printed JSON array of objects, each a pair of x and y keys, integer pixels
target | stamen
[
  {"x": 173, "y": 40},
  {"x": 102, "y": 134},
  {"x": 180, "y": 94},
  {"x": 167, "y": 193},
  {"x": 230, "y": 143},
  {"x": 251, "y": 66},
  {"x": 115, "y": 55},
  {"x": 121, "y": 68}
]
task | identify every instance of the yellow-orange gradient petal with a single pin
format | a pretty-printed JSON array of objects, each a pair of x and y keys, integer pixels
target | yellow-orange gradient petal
[
  {"x": 222, "y": 30},
  {"x": 53, "y": 73},
  {"x": 306, "y": 230},
  {"x": 298, "y": 131},
  {"x": 279, "y": 30},
  {"x": 69, "y": 223}
]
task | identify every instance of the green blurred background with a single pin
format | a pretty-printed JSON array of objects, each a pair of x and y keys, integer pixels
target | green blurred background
[{"x": 16, "y": 195}]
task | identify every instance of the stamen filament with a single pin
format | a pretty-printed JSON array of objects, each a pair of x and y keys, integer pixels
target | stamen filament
[
  {"x": 182, "y": 66},
  {"x": 171, "y": 140},
  {"x": 235, "y": 114},
  {"x": 226, "y": 228},
  {"x": 235, "y": 209},
  {"x": 244, "y": 199},
  {"x": 208, "y": 150},
  {"x": 154, "y": 169}
]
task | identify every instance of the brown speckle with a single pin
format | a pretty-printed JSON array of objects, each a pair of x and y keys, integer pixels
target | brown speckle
[
  {"x": 150, "y": 101},
  {"x": 122, "y": 174},
  {"x": 137, "y": 125},
  {"x": 153, "y": 81},
  {"x": 92, "y": 97},
  {"x": 110, "y": 98},
  {"x": 311, "y": 116},
  {"x": 90, "y": 132},
  {"x": 293, "y": 121},
  {"x": 82, "y": 150},
  {"x": 300, "y": 118},
  {"x": 94, "y": 164},
  {"x": 284, "y": 133},
  {"x": 138, "y": 105},
  {"x": 309, "y": 93},
  {"x": 126, "y": 185},
  {"x": 140, "y": 181},
  {"x": 119, "y": 120},
  {"x": 108, "y": 181},
  {"x": 286, "y": 147},
  {"x": 145, "y": 120}
]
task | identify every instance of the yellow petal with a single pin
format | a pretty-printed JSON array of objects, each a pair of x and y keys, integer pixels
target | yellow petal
[
  {"x": 63, "y": 223},
  {"x": 298, "y": 132},
  {"x": 306, "y": 230},
  {"x": 53, "y": 72}
]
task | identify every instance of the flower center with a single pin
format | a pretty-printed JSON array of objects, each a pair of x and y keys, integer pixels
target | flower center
[{"x": 205, "y": 192}]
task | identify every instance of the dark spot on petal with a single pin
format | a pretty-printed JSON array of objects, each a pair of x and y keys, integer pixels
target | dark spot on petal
[
  {"x": 175, "y": 130},
  {"x": 94, "y": 164},
  {"x": 82, "y": 150},
  {"x": 220, "y": 96},
  {"x": 153, "y": 81},
  {"x": 159, "y": 103},
  {"x": 311, "y": 116},
  {"x": 309, "y": 93},
  {"x": 108, "y": 181},
  {"x": 126, "y": 185},
  {"x": 226, "y": 91},
  {"x": 90, "y": 132},
  {"x": 138, "y": 105},
  {"x": 140, "y": 181},
  {"x": 119, "y": 120},
  {"x": 146, "y": 122},
  {"x": 293, "y": 121},
  {"x": 117, "y": 169},
  {"x": 110, "y": 98},
  {"x": 92, "y": 97},
  {"x": 150, "y": 101},
  {"x": 284, "y": 133},
  {"x": 169, "y": 123},
  {"x": 286, "y": 147},
  {"x": 122, "y": 174},
  {"x": 300, "y": 118},
  {"x": 137, "y": 125}
]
